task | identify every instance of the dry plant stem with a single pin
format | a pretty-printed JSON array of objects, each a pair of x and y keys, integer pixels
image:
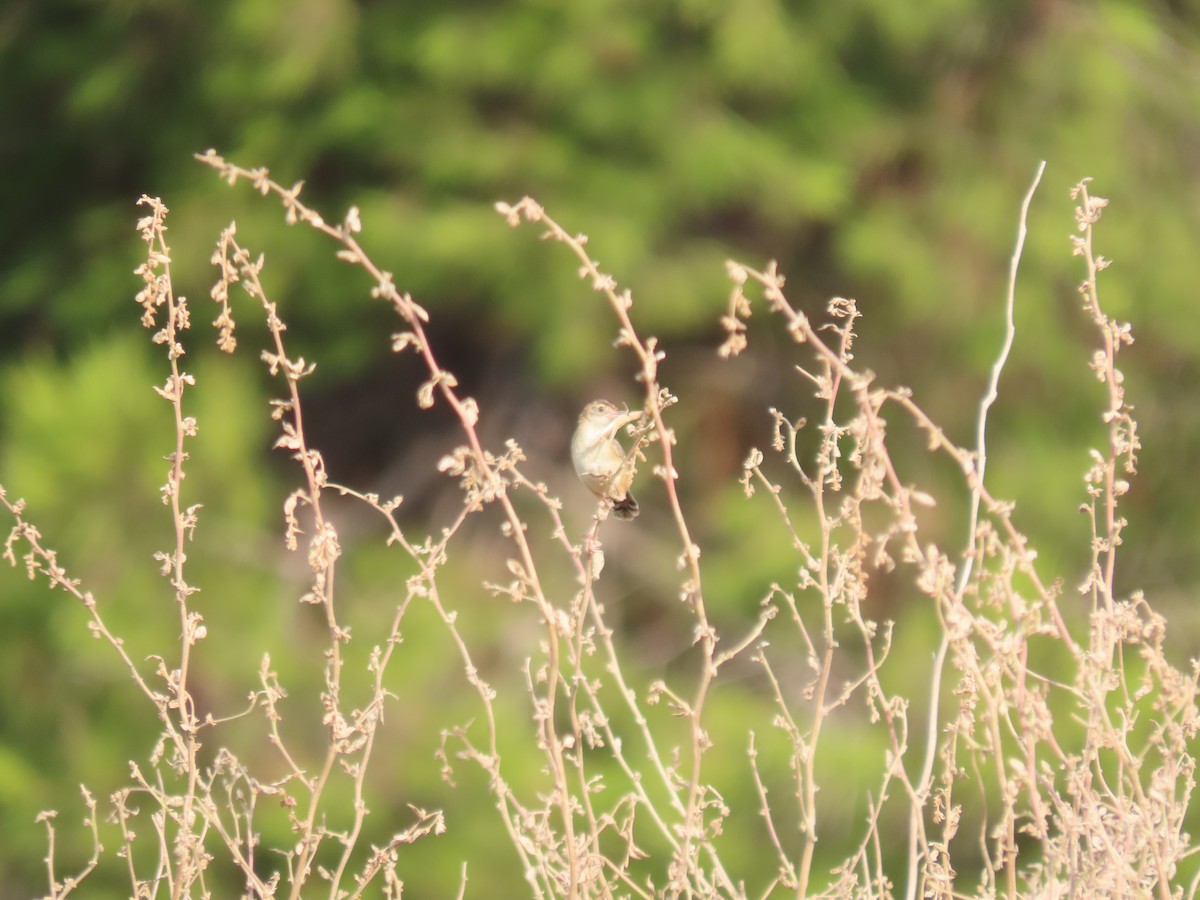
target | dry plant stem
[
  {"x": 584, "y": 558},
  {"x": 656, "y": 400},
  {"x": 121, "y": 810},
  {"x": 648, "y": 356},
  {"x": 836, "y": 575},
  {"x": 466, "y": 409},
  {"x": 995, "y": 705},
  {"x": 964, "y": 573},
  {"x": 799, "y": 326},
  {"x": 787, "y": 872},
  {"x": 61, "y": 889},
  {"x": 1123, "y": 445},
  {"x": 806, "y": 773},
  {"x": 232, "y": 837},
  {"x": 345, "y": 739},
  {"x": 835, "y": 363},
  {"x": 42, "y": 560},
  {"x": 236, "y": 265},
  {"x": 835, "y": 370},
  {"x": 993, "y": 388},
  {"x": 582, "y": 685},
  {"x": 1001, "y": 511},
  {"x": 159, "y": 293},
  {"x": 1123, "y": 442},
  {"x": 1110, "y": 807},
  {"x": 870, "y": 405},
  {"x": 429, "y": 557},
  {"x": 179, "y": 728}
]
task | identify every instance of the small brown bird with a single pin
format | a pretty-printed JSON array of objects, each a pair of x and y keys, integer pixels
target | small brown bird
[{"x": 599, "y": 459}]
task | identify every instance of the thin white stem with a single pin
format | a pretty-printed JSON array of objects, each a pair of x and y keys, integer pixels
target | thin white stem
[{"x": 964, "y": 572}]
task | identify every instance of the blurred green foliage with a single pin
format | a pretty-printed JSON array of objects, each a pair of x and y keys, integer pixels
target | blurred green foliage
[{"x": 876, "y": 149}]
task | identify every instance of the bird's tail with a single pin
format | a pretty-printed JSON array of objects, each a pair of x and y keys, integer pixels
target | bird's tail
[{"x": 626, "y": 507}]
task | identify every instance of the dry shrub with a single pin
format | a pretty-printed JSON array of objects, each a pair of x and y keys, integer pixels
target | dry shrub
[{"x": 1072, "y": 778}]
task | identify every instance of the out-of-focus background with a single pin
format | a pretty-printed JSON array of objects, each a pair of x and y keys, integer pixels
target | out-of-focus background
[{"x": 878, "y": 150}]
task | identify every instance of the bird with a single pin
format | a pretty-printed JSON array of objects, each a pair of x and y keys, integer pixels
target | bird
[{"x": 599, "y": 459}]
